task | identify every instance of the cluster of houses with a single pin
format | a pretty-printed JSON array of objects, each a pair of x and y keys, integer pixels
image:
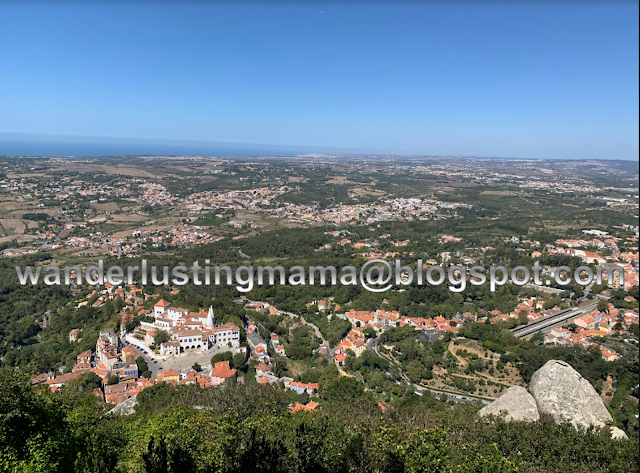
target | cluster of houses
[
  {"x": 354, "y": 343},
  {"x": 597, "y": 324},
  {"x": 265, "y": 376},
  {"x": 380, "y": 320},
  {"x": 133, "y": 296},
  {"x": 113, "y": 361},
  {"x": 393, "y": 209},
  {"x": 129, "y": 246},
  {"x": 628, "y": 261},
  {"x": 533, "y": 308}
]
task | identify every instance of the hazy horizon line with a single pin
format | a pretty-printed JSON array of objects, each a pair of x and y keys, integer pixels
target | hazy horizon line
[{"x": 251, "y": 149}]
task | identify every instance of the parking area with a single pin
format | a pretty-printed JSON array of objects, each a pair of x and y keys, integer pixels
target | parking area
[
  {"x": 186, "y": 360},
  {"x": 183, "y": 362}
]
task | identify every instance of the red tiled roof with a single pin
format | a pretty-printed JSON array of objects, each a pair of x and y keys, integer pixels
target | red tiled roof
[
  {"x": 162, "y": 303},
  {"x": 222, "y": 370}
]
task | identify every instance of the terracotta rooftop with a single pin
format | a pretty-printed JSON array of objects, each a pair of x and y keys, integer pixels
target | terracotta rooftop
[{"x": 222, "y": 370}]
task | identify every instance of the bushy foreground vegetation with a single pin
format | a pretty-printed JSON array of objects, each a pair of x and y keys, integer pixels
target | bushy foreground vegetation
[{"x": 240, "y": 428}]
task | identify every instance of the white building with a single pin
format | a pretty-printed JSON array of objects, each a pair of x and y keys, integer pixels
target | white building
[
  {"x": 107, "y": 347},
  {"x": 190, "y": 339},
  {"x": 160, "y": 307},
  {"x": 176, "y": 313},
  {"x": 225, "y": 335}
]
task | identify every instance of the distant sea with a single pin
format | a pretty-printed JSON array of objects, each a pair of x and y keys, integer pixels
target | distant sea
[
  {"x": 27, "y": 144},
  {"x": 43, "y": 145}
]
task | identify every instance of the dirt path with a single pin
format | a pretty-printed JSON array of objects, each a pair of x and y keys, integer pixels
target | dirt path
[{"x": 508, "y": 381}]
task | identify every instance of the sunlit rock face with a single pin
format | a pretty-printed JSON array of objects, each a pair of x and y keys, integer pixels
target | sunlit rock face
[
  {"x": 561, "y": 392},
  {"x": 558, "y": 391},
  {"x": 515, "y": 404}
]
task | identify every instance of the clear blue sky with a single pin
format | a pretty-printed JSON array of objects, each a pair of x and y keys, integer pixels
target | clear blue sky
[{"x": 533, "y": 80}]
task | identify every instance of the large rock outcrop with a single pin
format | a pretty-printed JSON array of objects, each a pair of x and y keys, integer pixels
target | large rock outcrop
[
  {"x": 515, "y": 404},
  {"x": 556, "y": 390},
  {"x": 561, "y": 392}
]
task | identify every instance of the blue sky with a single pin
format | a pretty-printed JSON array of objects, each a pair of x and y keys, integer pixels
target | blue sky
[{"x": 539, "y": 80}]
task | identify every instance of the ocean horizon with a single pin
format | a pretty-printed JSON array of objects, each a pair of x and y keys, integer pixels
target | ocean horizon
[
  {"x": 36, "y": 145},
  {"x": 15, "y": 145}
]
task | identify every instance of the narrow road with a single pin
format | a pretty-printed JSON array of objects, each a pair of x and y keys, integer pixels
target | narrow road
[
  {"x": 419, "y": 389},
  {"x": 64, "y": 225},
  {"x": 318, "y": 333}
]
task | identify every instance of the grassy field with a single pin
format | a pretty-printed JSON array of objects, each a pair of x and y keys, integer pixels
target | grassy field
[{"x": 209, "y": 220}]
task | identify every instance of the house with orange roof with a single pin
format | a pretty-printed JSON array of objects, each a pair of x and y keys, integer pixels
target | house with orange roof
[
  {"x": 558, "y": 336},
  {"x": 263, "y": 369},
  {"x": 323, "y": 305},
  {"x": 101, "y": 370},
  {"x": 192, "y": 377},
  {"x": 310, "y": 406},
  {"x": 585, "y": 322},
  {"x": 84, "y": 357},
  {"x": 58, "y": 381},
  {"x": 81, "y": 367},
  {"x": 160, "y": 307},
  {"x": 118, "y": 393},
  {"x": 129, "y": 355},
  {"x": 593, "y": 333},
  {"x": 168, "y": 376},
  {"x": 73, "y": 334},
  {"x": 608, "y": 354},
  {"x": 222, "y": 372},
  {"x": 299, "y": 387}
]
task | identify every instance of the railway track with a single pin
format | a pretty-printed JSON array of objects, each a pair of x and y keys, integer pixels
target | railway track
[{"x": 547, "y": 322}]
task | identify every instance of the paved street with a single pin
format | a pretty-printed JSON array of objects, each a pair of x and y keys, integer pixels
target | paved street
[
  {"x": 186, "y": 360},
  {"x": 180, "y": 363}
]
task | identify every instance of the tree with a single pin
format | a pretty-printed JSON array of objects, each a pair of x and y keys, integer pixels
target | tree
[
  {"x": 113, "y": 379},
  {"x": 342, "y": 388},
  {"x": 238, "y": 361},
  {"x": 31, "y": 427},
  {"x": 160, "y": 337},
  {"x": 415, "y": 371},
  {"x": 142, "y": 365},
  {"x": 369, "y": 332},
  {"x": 131, "y": 325},
  {"x": 155, "y": 458},
  {"x": 603, "y": 305},
  {"x": 224, "y": 356},
  {"x": 522, "y": 317},
  {"x": 86, "y": 382},
  {"x": 196, "y": 367}
]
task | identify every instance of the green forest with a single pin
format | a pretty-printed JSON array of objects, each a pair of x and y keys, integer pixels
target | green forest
[{"x": 236, "y": 428}]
